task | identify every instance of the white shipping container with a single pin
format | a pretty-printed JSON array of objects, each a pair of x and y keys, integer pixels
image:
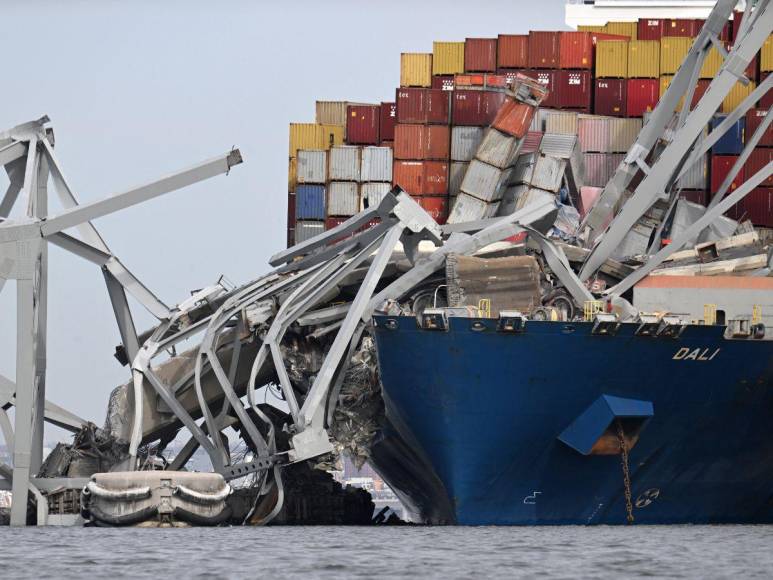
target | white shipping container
[
  {"x": 695, "y": 177},
  {"x": 468, "y": 208},
  {"x": 530, "y": 195},
  {"x": 456, "y": 176},
  {"x": 561, "y": 122},
  {"x": 484, "y": 181},
  {"x": 623, "y": 133},
  {"x": 344, "y": 163},
  {"x": 312, "y": 166},
  {"x": 371, "y": 194},
  {"x": 376, "y": 164},
  {"x": 548, "y": 173},
  {"x": 464, "y": 142},
  {"x": 305, "y": 229},
  {"x": 343, "y": 198},
  {"x": 498, "y": 149}
]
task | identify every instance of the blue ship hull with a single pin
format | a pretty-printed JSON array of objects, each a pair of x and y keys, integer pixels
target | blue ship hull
[{"x": 487, "y": 427}]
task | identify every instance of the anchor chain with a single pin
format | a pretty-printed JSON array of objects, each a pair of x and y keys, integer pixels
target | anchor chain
[{"x": 626, "y": 472}]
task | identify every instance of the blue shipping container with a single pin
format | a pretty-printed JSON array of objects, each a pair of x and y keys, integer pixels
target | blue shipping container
[
  {"x": 731, "y": 143},
  {"x": 310, "y": 202}
]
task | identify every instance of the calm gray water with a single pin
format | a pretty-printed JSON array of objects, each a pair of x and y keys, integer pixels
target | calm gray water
[{"x": 417, "y": 552}]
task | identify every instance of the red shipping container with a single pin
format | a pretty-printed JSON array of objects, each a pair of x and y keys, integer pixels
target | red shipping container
[
  {"x": 767, "y": 99},
  {"x": 475, "y": 107},
  {"x": 700, "y": 89},
  {"x": 544, "y": 49},
  {"x": 679, "y": 27},
  {"x": 444, "y": 82},
  {"x": 737, "y": 17},
  {"x": 531, "y": 142},
  {"x": 548, "y": 79},
  {"x": 720, "y": 168},
  {"x": 757, "y": 161},
  {"x": 513, "y": 51},
  {"x": 754, "y": 118},
  {"x": 415, "y": 105},
  {"x": 514, "y": 118},
  {"x": 757, "y": 207},
  {"x": 387, "y": 122},
  {"x": 480, "y": 54},
  {"x": 575, "y": 50},
  {"x": 421, "y": 177},
  {"x": 650, "y": 29},
  {"x": 641, "y": 96},
  {"x": 291, "y": 210},
  {"x": 417, "y": 142},
  {"x": 362, "y": 124},
  {"x": 610, "y": 97},
  {"x": 435, "y": 205},
  {"x": 574, "y": 89}
]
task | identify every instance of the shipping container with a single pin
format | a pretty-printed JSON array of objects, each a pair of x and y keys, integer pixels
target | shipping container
[
  {"x": 757, "y": 161},
  {"x": 415, "y": 69},
  {"x": 447, "y": 58},
  {"x": 574, "y": 89},
  {"x": 680, "y": 27},
  {"x": 539, "y": 122},
  {"x": 362, "y": 124},
  {"x": 700, "y": 89},
  {"x": 291, "y": 210},
  {"x": 712, "y": 63},
  {"x": 475, "y": 107},
  {"x": 421, "y": 177},
  {"x": 292, "y": 174},
  {"x": 388, "y": 119},
  {"x": 456, "y": 173},
  {"x": 310, "y": 202},
  {"x": 754, "y": 118},
  {"x": 435, "y": 205},
  {"x": 480, "y": 55},
  {"x": 562, "y": 122},
  {"x": 610, "y": 97},
  {"x": 643, "y": 59},
  {"x": 513, "y": 51},
  {"x": 376, "y": 164},
  {"x": 443, "y": 82},
  {"x": 331, "y": 113},
  {"x": 575, "y": 50},
  {"x": 314, "y": 136},
  {"x": 767, "y": 99},
  {"x": 417, "y": 142},
  {"x": 305, "y": 230},
  {"x": 291, "y": 236},
  {"x": 371, "y": 194},
  {"x": 737, "y": 94},
  {"x": 731, "y": 142},
  {"x": 544, "y": 50},
  {"x": 600, "y": 167},
  {"x": 343, "y": 163},
  {"x": 699, "y": 196},
  {"x": 623, "y": 133},
  {"x": 464, "y": 143},
  {"x": 650, "y": 29},
  {"x": 720, "y": 168},
  {"x": 695, "y": 177},
  {"x": 629, "y": 29},
  {"x": 469, "y": 208},
  {"x": 641, "y": 96},
  {"x": 423, "y": 106},
  {"x": 514, "y": 118},
  {"x": 766, "y": 55},
  {"x": 498, "y": 149},
  {"x": 343, "y": 198},
  {"x": 672, "y": 53},
  {"x": 485, "y": 181},
  {"x": 531, "y": 142},
  {"x": 612, "y": 59},
  {"x": 756, "y": 207},
  {"x": 312, "y": 166},
  {"x": 549, "y": 79},
  {"x": 593, "y": 133}
]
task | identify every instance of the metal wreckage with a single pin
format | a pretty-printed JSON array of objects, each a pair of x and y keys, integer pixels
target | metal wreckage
[{"x": 310, "y": 328}]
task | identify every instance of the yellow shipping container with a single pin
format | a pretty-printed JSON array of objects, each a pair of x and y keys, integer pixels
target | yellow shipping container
[
  {"x": 587, "y": 28},
  {"x": 737, "y": 94},
  {"x": 643, "y": 59},
  {"x": 292, "y": 174},
  {"x": 629, "y": 29},
  {"x": 415, "y": 69},
  {"x": 314, "y": 136},
  {"x": 711, "y": 64},
  {"x": 673, "y": 50},
  {"x": 332, "y": 136},
  {"x": 447, "y": 58},
  {"x": 612, "y": 59},
  {"x": 766, "y": 55}
]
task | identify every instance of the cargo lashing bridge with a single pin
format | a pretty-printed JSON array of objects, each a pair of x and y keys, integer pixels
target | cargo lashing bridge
[{"x": 241, "y": 330}]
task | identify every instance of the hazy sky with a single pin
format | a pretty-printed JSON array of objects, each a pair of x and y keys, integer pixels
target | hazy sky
[{"x": 136, "y": 90}]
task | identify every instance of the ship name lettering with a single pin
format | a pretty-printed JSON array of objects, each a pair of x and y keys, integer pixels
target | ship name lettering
[{"x": 685, "y": 353}]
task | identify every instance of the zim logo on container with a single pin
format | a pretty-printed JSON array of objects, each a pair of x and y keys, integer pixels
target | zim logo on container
[{"x": 686, "y": 353}]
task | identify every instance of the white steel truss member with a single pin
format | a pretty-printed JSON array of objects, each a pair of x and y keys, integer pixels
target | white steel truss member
[{"x": 27, "y": 154}]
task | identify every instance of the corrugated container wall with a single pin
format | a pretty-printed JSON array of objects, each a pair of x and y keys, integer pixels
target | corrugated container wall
[
  {"x": 531, "y": 142},
  {"x": 371, "y": 194},
  {"x": 376, "y": 164},
  {"x": 712, "y": 63},
  {"x": 641, "y": 96},
  {"x": 514, "y": 118},
  {"x": 435, "y": 206},
  {"x": 593, "y": 134},
  {"x": 484, "y": 181},
  {"x": 464, "y": 143},
  {"x": 720, "y": 168},
  {"x": 343, "y": 198},
  {"x": 476, "y": 108},
  {"x": 575, "y": 50},
  {"x": 544, "y": 49},
  {"x": 758, "y": 159},
  {"x": 564, "y": 123},
  {"x": 649, "y": 29},
  {"x": 344, "y": 164},
  {"x": 480, "y": 55},
  {"x": 423, "y": 106},
  {"x": 421, "y": 177},
  {"x": 695, "y": 177},
  {"x": 497, "y": 149},
  {"x": 388, "y": 121},
  {"x": 610, "y": 97},
  {"x": 305, "y": 230},
  {"x": 643, "y": 59},
  {"x": 331, "y": 112},
  {"x": 310, "y": 202},
  {"x": 447, "y": 58},
  {"x": 612, "y": 59},
  {"x": 731, "y": 141},
  {"x": 679, "y": 27},
  {"x": 415, "y": 69},
  {"x": 737, "y": 94},
  {"x": 574, "y": 89},
  {"x": 673, "y": 51},
  {"x": 292, "y": 174},
  {"x": 362, "y": 124},
  {"x": 547, "y": 78},
  {"x": 417, "y": 142},
  {"x": 513, "y": 51},
  {"x": 314, "y": 136},
  {"x": 456, "y": 175},
  {"x": 629, "y": 29},
  {"x": 312, "y": 166},
  {"x": 754, "y": 118},
  {"x": 766, "y": 55},
  {"x": 623, "y": 134}
]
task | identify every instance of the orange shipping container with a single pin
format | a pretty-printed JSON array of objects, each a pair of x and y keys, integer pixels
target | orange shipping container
[
  {"x": 421, "y": 177},
  {"x": 514, "y": 118},
  {"x": 480, "y": 55},
  {"x": 575, "y": 50},
  {"x": 417, "y": 142},
  {"x": 513, "y": 51},
  {"x": 435, "y": 205}
]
